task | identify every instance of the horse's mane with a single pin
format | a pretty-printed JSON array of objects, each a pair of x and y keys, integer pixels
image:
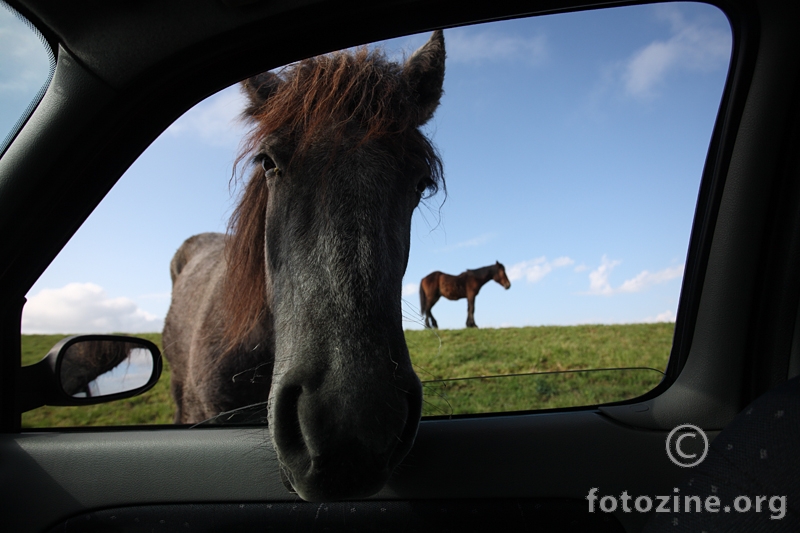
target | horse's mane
[
  {"x": 325, "y": 95},
  {"x": 481, "y": 271}
]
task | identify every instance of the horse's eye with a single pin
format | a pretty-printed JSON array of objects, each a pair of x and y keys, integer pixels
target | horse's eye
[{"x": 267, "y": 163}]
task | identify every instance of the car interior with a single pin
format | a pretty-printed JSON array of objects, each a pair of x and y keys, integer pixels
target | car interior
[{"x": 125, "y": 72}]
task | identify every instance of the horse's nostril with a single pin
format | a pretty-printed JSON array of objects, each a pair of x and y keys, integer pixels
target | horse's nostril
[{"x": 285, "y": 425}]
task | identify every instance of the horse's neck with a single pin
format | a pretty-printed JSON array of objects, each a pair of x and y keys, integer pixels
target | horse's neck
[{"x": 484, "y": 275}]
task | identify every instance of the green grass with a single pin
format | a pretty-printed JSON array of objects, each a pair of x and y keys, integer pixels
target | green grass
[
  {"x": 447, "y": 354},
  {"x": 461, "y": 353}
]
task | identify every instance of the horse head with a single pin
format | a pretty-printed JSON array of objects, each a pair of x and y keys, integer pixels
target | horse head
[
  {"x": 340, "y": 167},
  {"x": 500, "y": 275}
]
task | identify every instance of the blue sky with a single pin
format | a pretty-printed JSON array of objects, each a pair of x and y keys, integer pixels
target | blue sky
[{"x": 573, "y": 147}]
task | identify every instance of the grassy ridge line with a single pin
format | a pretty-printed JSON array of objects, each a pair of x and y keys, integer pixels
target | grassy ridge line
[
  {"x": 490, "y": 352},
  {"x": 448, "y": 354},
  {"x": 440, "y": 354}
]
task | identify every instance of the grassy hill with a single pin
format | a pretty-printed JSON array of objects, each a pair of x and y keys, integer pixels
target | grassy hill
[
  {"x": 489, "y": 352},
  {"x": 441, "y": 358}
]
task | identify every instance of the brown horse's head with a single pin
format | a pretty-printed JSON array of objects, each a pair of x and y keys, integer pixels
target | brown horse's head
[
  {"x": 322, "y": 234},
  {"x": 500, "y": 275}
]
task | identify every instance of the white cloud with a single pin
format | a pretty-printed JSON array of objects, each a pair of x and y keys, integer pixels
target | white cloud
[
  {"x": 215, "y": 120},
  {"x": 536, "y": 269},
  {"x": 666, "y": 316},
  {"x": 694, "y": 45},
  {"x": 646, "y": 279},
  {"x": 410, "y": 289},
  {"x": 648, "y": 66},
  {"x": 598, "y": 278},
  {"x": 477, "y": 241},
  {"x": 468, "y": 45},
  {"x": 599, "y": 284},
  {"x": 85, "y": 308}
]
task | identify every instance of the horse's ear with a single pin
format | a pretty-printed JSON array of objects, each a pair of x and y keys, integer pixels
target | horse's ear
[
  {"x": 424, "y": 71},
  {"x": 258, "y": 89}
]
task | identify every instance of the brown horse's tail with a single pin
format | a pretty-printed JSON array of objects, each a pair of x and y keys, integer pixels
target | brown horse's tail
[{"x": 422, "y": 299}]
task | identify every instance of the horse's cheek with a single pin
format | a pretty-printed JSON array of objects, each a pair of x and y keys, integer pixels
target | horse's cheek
[{"x": 274, "y": 242}]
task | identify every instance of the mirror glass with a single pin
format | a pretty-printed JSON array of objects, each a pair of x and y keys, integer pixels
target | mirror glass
[{"x": 94, "y": 368}]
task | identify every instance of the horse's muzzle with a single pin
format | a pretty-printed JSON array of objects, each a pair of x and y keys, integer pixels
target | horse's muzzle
[{"x": 336, "y": 442}]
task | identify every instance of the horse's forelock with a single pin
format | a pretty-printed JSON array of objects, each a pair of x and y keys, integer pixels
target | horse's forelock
[{"x": 326, "y": 95}]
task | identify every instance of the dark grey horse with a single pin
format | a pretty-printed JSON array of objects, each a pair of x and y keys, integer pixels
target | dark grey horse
[
  {"x": 84, "y": 362},
  {"x": 303, "y": 297}
]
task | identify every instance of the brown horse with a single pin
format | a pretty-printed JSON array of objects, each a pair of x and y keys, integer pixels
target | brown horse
[
  {"x": 466, "y": 285},
  {"x": 303, "y": 298}
]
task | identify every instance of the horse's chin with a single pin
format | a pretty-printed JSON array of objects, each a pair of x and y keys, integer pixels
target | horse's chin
[
  {"x": 345, "y": 477},
  {"x": 341, "y": 476},
  {"x": 317, "y": 486}
]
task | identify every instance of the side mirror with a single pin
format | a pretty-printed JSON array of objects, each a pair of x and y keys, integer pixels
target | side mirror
[{"x": 89, "y": 369}]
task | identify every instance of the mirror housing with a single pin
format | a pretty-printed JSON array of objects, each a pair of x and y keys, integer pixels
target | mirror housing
[{"x": 89, "y": 369}]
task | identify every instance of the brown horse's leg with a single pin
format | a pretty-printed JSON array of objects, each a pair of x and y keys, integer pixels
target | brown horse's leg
[
  {"x": 433, "y": 323},
  {"x": 432, "y": 299},
  {"x": 471, "y": 311},
  {"x": 428, "y": 295}
]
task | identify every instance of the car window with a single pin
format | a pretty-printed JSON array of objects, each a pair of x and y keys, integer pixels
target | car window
[
  {"x": 26, "y": 67},
  {"x": 573, "y": 147}
]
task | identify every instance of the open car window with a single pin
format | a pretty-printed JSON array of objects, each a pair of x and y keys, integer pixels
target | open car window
[{"x": 573, "y": 148}]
